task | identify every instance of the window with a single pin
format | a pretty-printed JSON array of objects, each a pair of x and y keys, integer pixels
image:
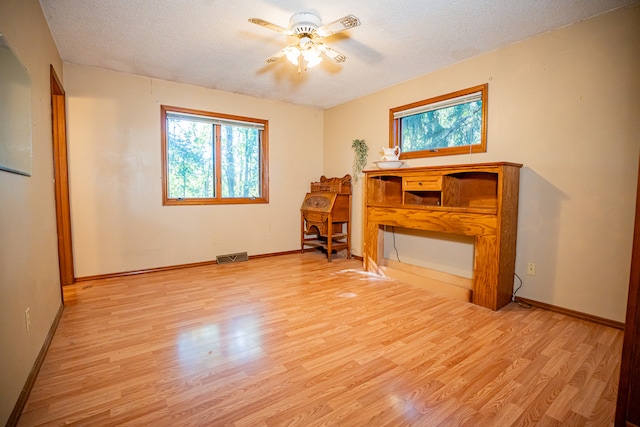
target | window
[
  {"x": 211, "y": 158},
  {"x": 449, "y": 124}
]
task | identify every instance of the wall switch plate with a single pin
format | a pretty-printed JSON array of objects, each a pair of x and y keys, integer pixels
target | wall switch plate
[
  {"x": 531, "y": 269},
  {"x": 27, "y": 318}
]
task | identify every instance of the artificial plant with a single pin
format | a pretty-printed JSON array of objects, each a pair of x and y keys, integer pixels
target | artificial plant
[{"x": 359, "y": 158}]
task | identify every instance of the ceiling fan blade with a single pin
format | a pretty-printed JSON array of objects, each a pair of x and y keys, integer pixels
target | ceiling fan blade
[
  {"x": 270, "y": 26},
  {"x": 273, "y": 58},
  {"x": 341, "y": 24},
  {"x": 279, "y": 54},
  {"x": 332, "y": 54}
]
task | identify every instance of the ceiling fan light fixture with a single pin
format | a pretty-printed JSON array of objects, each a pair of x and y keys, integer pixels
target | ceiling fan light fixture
[
  {"x": 293, "y": 54},
  {"x": 312, "y": 56},
  {"x": 304, "y": 56}
]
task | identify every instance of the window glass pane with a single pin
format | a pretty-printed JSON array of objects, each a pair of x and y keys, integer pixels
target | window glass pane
[
  {"x": 454, "y": 123},
  {"x": 213, "y": 158},
  {"x": 455, "y": 126},
  {"x": 240, "y": 161},
  {"x": 190, "y": 158}
]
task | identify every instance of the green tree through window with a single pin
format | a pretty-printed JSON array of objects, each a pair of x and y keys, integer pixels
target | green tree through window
[
  {"x": 455, "y": 126},
  {"x": 449, "y": 124},
  {"x": 240, "y": 149},
  {"x": 213, "y": 158},
  {"x": 190, "y": 158}
]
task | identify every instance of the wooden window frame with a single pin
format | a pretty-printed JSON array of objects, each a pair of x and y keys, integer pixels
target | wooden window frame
[
  {"x": 218, "y": 199},
  {"x": 394, "y": 125}
]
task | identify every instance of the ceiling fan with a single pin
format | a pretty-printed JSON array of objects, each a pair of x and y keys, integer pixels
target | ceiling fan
[{"x": 308, "y": 51}]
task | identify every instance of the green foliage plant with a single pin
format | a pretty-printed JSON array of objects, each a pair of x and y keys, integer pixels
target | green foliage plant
[{"x": 360, "y": 157}]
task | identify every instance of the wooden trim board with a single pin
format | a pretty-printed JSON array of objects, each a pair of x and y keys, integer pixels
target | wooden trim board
[
  {"x": 179, "y": 266},
  {"x": 460, "y": 288},
  {"x": 31, "y": 379},
  {"x": 572, "y": 313},
  {"x": 457, "y": 287}
]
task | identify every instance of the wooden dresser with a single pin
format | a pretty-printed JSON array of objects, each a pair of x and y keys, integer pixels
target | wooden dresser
[
  {"x": 326, "y": 216},
  {"x": 479, "y": 200}
]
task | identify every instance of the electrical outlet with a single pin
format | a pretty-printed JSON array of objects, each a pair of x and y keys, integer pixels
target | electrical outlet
[
  {"x": 27, "y": 318},
  {"x": 531, "y": 269}
]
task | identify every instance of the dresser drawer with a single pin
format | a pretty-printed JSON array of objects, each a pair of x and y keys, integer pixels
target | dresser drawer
[{"x": 422, "y": 183}]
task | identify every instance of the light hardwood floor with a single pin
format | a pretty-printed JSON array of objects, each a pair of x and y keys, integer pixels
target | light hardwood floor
[{"x": 295, "y": 340}]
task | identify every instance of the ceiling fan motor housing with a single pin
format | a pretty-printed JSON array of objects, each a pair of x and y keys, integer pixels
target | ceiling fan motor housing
[{"x": 304, "y": 23}]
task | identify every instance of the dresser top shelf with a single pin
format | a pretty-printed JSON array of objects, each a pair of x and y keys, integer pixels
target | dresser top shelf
[{"x": 444, "y": 168}]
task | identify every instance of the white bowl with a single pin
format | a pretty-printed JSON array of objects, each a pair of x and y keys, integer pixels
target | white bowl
[{"x": 382, "y": 164}]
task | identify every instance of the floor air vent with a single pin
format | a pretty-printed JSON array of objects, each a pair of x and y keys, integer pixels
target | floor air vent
[{"x": 229, "y": 258}]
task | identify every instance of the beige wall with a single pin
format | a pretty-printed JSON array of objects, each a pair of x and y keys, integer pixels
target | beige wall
[
  {"x": 566, "y": 105},
  {"x": 29, "y": 275},
  {"x": 118, "y": 221}
]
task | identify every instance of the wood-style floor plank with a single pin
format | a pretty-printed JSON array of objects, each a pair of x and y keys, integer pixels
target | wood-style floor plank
[{"x": 295, "y": 340}]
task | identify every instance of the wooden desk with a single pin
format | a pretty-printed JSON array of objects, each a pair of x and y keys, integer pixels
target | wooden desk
[
  {"x": 325, "y": 216},
  {"x": 479, "y": 200}
]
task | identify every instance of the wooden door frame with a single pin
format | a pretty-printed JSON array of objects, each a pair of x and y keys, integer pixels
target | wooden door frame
[
  {"x": 61, "y": 180},
  {"x": 630, "y": 364}
]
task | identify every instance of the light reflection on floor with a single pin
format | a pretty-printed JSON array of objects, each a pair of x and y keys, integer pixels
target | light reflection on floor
[{"x": 238, "y": 341}]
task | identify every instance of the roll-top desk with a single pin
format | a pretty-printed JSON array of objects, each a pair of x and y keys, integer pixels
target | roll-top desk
[{"x": 479, "y": 200}]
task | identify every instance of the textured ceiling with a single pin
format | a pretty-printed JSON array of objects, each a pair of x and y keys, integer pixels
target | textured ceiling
[{"x": 210, "y": 43}]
